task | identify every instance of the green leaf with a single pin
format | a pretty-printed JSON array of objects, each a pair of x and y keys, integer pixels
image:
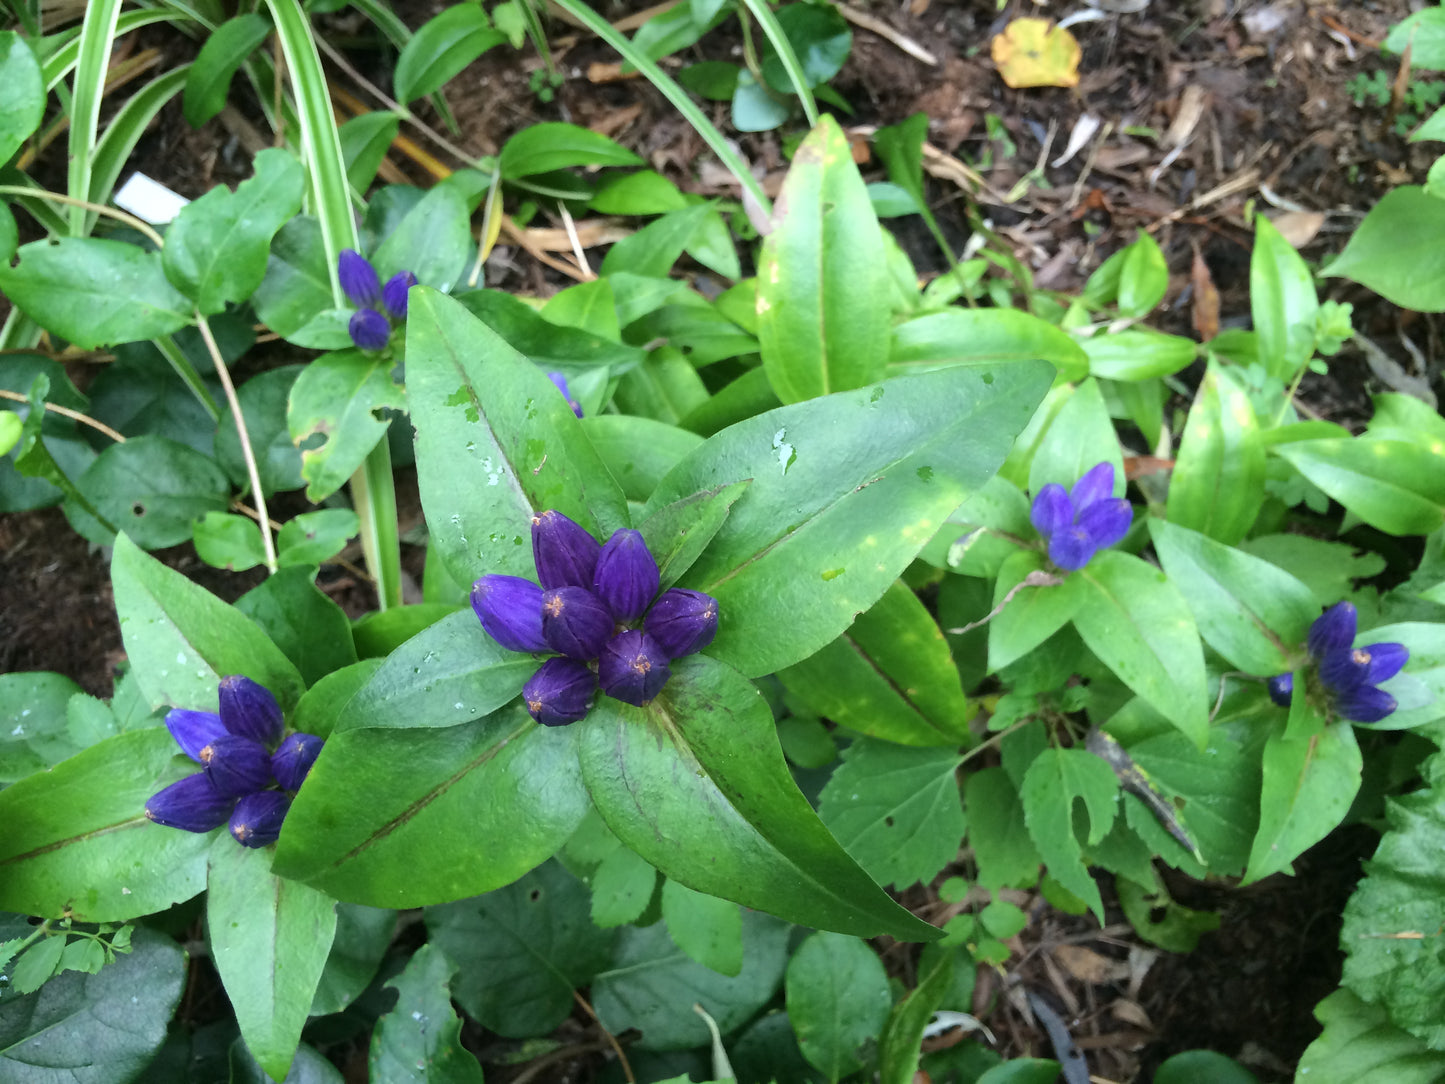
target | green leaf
[
  {"x": 33, "y": 723},
  {"x": 94, "y": 292},
  {"x": 846, "y": 490},
  {"x": 483, "y": 412},
  {"x": 269, "y": 940},
  {"x": 433, "y": 242},
  {"x": 820, "y": 37},
  {"x": 903, "y": 1034},
  {"x": 1250, "y": 611},
  {"x": 622, "y": 887},
  {"x": 896, "y": 811},
  {"x": 541, "y": 148},
  {"x": 420, "y": 1038},
  {"x": 838, "y": 1001},
  {"x": 228, "y": 541},
  {"x": 822, "y": 322},
  {"x": 151, "y": 489},
  {"x": 181, "y": 639},
  {"x": 320, "y": 707},
  {"x": 984, "y": 338},
  {"x": 998, "y": 833},
  {"x": 77, "y": 841},
  {"x": 314, "y": 538},
  {"x": 1282, "y": 301},
  {"x": 651, "y": 985},
  {"x": 1309, "y": 783},
  {"x": 263, "y": 401},
  {"x": 37, "y": 964},
  {"x": 73, "y": 1024},
  {"x": 1034, "y": 613},
  {"x": 1137, "y": 355},
  {"x": 1396, "y": 486},
  {"x": 1361, "y": 1046},
  {"x": 696, "y": 784},
  {"x": 1398, "y": 250},
  {"x": 364, "y": 143},
  {"x": 890, "y": 676},
  {"x": 1217, "y": 486},
  {"x": 312, "y": 630},
  {"x": 1053, "y": 781},
  {"x": 9, "y": 240},
  {"x": 1423, "y": 36},
  {"x": 677, "y": 534},
  {"x": 217, "y": 246},
  {"x": 297, "y": 285},
  {"x": 224, "y": 51},
  {"x": 756, "y": 109},
  {"x": 141, "y": 393},
  {"x": 1144, "y": 277},
  {"x": 552, "y": 340},
  {"x": 362, "y": 937},
  {"x": 441, "y": 48},
  {"x": 380, "y": 633},
  {"x": 1079, "y": 438},
  {"x": 449, "y": 673},
  {"x": 1194, "y": 1066},
  {"x": 343, "y": 399},
  {"x": 22, "y": 93},
  {"x": 1022, "y": 1071},
  {"x": 522, "y": 950},
  {"x": 653, "y": 249},
  {"x": 1140, "y": 627},
  {"x": 708, "y": 929},
  {"x": 477, "y": 806}
]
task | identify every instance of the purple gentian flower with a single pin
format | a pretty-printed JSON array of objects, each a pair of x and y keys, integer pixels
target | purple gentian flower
[
  {"x": 1082, "y": 521},
  {"x": 359, "y": 280},
  {"x": 369, "y": 329},
  {"x": 594, "y": 595},
  {"x": 1350, "y": 675},
  {"x": 560, "y": 380},
  {"x": 394, "y": 294},
  {"x": 378, "y": 307},
  {"x": 234, "y": 747}
]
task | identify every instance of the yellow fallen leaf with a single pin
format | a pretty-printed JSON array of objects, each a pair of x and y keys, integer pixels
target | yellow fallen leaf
[{"x": 1031, "y": 53}]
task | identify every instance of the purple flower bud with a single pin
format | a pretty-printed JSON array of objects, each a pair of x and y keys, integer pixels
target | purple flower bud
[
  {"x": 510, "y": 609},
  {"x": 566, "y": 555},
  {"x": 193, "y": 804},
  {"x": 575, "y": 623},
  {"x": 369, "y": 329},
  {"x": 560, "y": 380},
  {"x": 632, "y": 668},
  {"x": 258, "y": 818},
  {"x": 359, "y": 280},
  {"x": 237, "y": 765},
  {"x": 194, "y": 730},
  {"x": 1281, "y": 689},
  {"x": 1333, "y": 630},
  {"x": 1052, "y": 510},
  {"x": 1367, "y": 704},
  {"x": 393, "y": 294},
  {"x": 627, "y": 577},
  {"x": 560, "y": 692},
  {"x": 249, "y": 710},
  {"x": 682, "y": 622},
  {"x": 293, "y": 759}
]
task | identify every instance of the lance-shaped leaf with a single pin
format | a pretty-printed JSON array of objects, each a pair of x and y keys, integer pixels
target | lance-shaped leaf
[
  {"x": 823, "y": 318},
  {"x": 217, "y": 246},
  {"x": 182, "y": 640},
  {"x": 77, "y": 841},
  {"x": 405, "y": 818},
  {"x": 677, "y": 534},
  {"x": 269, "y": 939},
  {"x": 1395, "y": 485},
  {"x": 495, "y": 444},
  {"x": 1282, "y": 301},
  {"x": 1217, "y": 486},
  {"x": 1139, "y": 625},
  {"x": 337, "y": 412},
  {"x": 902, "y": 1036},
  {"x": 846, "y": 490},
  {"x": 449, "y": 673},
  {"x": 1250, "y": 611},
  {"x": 890, "y": 676},
  {"x": 696, "y": 784},
  {"x": 1309, "y": 783},
  {"x": 1035, "y": 603}
]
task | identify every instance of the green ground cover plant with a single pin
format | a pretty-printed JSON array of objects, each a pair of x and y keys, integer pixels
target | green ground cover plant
[{"x": 740, "y": 610}]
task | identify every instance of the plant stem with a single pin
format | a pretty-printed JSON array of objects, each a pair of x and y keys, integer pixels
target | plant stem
[
  {"x": 373, "y": 493},
  {"x": 187, "y": 372},
  {"x": 98, "y": 208},
  {"x": 247, "y": 453}
]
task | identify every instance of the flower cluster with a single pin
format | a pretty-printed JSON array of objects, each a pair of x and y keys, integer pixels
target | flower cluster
[
  {"x": 379, "y": 307},
  {"x": 586, "y": 608},
  {"x": 1351, "y": 675},
  {"x": 1077, "y": 523},
  {"x": 240, "y": 773}
]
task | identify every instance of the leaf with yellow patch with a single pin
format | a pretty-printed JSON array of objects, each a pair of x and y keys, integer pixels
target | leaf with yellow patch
[{"x": 1031, "y": 53}]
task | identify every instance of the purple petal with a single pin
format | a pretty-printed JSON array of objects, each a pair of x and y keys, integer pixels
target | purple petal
[
  {"x": 394, "y": 293},
  {"x": 292, "y": 761},
  {"x": 193, "y": 804},
  {"x": 627, "y": 577},
  {"x": 1281, "y": 689},
  {"x": 560, "y": 692},
  {"x": 1071, "y": 548},
  {"x": 632, "y": 668},
  {"x": 1385, "y": 661},
  {"x": 1107, "y": 521},
  {"x": 369, "y": 329},
  {"x": 682, "y": 622},
  {"x": 564, "y": 552},
  {"x": 237, "y": 765},
  {"x": 1097, "y": 484},
  {"x": 560, "y": 380},
  {"x": 194, "y": 730},
  {"x": 575, "y": 622},
  {"x": 359, "y": 280},
  {"x": 1366, "y": 704},
  {"x": 249, "y": 710},
  {"x": 1345, "y": 669},
  {"x": 1333, "y": 630},
  {"x": 510, "y": 610},
  {"x": 1052, "y": 510},
  {"x": 258, "y": 817}
]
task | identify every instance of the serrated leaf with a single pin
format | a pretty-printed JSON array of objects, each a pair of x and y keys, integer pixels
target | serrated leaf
[
  {"x": 419, "y": 1041},
  {"x": 1361, "y": 1046},
  {"x": 998, "y": 833},
  {"x": 338, "y": 411},
  {"x": 1053, "y": 781}
]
